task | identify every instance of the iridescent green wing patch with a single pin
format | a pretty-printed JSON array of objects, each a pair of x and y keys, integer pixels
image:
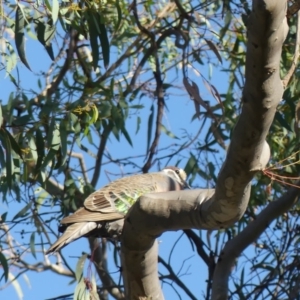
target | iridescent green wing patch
[{"x": 128, "y": 198}]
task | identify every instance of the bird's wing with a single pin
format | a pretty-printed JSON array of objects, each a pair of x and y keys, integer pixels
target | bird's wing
[
  {"x": 84, "y": 215},
  {"x": 120, "y": 194}
]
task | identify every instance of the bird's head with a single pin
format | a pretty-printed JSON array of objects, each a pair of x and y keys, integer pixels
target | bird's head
[{"x": 177, "y": 174}]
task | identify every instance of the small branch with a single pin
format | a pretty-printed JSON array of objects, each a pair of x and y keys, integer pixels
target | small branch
[
  {"x": 72, "y": 44},
  {"x": 129, "y": 52},
  {"x": 176, "y": 279},
  {"x": 239, "y": 243},
  {"x": 152, "y": 49},
  {"x": 103, "y": 140},
  {"x": 55, "y": 83},
  {"x": 101, "y": 268},
  {"x": 80, "y": 157},
  {"x": 54, "y": 188},
  {"x": 199, "y": 245},
  {"x": 138, "y": 23},
  {"x": 160, "y": 112}
]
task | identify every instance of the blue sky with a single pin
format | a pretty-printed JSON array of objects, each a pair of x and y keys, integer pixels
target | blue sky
[{"x": 46, "y": 285}]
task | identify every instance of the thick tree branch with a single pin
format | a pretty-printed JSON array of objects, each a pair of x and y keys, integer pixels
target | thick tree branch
[{"x": 248, "y": 153}]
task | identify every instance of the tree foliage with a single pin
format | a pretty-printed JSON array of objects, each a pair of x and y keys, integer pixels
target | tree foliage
[{"x": 113, "y": 71}]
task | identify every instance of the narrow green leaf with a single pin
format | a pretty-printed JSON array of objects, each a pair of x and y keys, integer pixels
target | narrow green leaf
[
  {"x": 13, "y": 80},
  {"x": 11, "y": 59},
  {"x": 7, "y": 146},
  {"x": 13, "y": 143},
  {"x": 214, "y": 48},
  {"x": 33, "y": 150},
  {"x": 212, "y": 169},
  {"x": 119, "y": 14},
  {"x": 55, "y": 143},
  {"x": 64, "y": 140},
  {"x": 40, "y": 148},
  {"x": 45, "y": 33},
  {"x": 80, "y": 290},
  {"x": 3, "y": 217},
  {"x": 168, "y": 132},
  {"x": 16, "y": 286},
  {"x": 41, "y": 198},
  {"x": 50, "y": 157},
  {"x": 20, "y": 37},
  {"x": 22, "y": 212},
  {"x": 22, "y": 120},
  {"x": 79, "y": 267},
  {"x": 104, "y": 44},
  {"x": 32, "y": 244},
  {"x": 126, "y": 135},
  {"x": 2, "y": 158},
  {"x": 48, "y": 5},
  {"x": 282, "y": 121},
  {"x": 55, "y": 10},
  {"x": 150, "y": 125},
  {"x": 4, "y": 266},
  {"x": 93, "y": 32},
  {"x": 1, "y": 116},
  {"x": 138, "y": 124},
  {"x": 49, "y": 133},
  {"x": 191, "y": 165},
  {"x": 48, "y": 36}
]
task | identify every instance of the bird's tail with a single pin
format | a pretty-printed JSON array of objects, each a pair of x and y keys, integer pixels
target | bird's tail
[{"x": 72, "y": 233}]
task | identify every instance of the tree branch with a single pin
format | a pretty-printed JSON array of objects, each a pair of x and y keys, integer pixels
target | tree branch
[
  {"x": 239, "y": 243},
  {"x": 160, "y": 112},
  {"x": 103, "y": 140},
  {"x": 248, "y": 153},
  {"x": 100, "y": 262}
]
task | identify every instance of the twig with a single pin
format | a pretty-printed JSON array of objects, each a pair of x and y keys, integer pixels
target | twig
[
  {"x": 101, "y": 149},
  {"x": 101, "y": 268},
  {"x": 176, "y": 279},
  {"x": 79, "y": 156},
  {"x": 160, "y": 112}
]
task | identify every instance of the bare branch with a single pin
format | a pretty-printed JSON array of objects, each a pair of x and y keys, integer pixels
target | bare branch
[
  {"x": 80, "y": 157},
  {"x": 174, "y": 277},
  {"x": 103, "y": 140},
  {"x": 248, "y": 153},
  {"x": 160, "y": 112},
  {"x": 100, "y": 262},
  {"x": 239, "y": 243}
]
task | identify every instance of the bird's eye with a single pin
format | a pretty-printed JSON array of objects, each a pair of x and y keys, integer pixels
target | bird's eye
[{"x": 177, "y": 171}]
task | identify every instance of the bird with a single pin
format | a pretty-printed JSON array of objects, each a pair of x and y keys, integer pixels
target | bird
[{"x": 111, "y": 202}]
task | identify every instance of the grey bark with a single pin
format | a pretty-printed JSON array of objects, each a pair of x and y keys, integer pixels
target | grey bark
[
  {"x": 267, "y": 30},
  {"x": 239, "y": 243},
  {"x": 248, "y": 153}
]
